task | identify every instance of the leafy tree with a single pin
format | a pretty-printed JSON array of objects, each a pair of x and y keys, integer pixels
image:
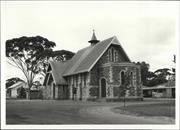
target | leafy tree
[
  {"x": 157, "y": 77},
  {"x": 11, "y": 81},
  {"x": 162, "y": 75},
  {"x": 145, "y": 73},
  {"x": 21, "y": 92},
  {"x": 151, "y": 75},
  {"x": 60, "y": 55},
  {"x": 37, "y": 84},
  {"x": 163, "y": 72},
  {"x": 24, "y": 53}
]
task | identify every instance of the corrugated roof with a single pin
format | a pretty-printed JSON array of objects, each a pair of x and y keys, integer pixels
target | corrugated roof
[{"x": 57, "y": 70}]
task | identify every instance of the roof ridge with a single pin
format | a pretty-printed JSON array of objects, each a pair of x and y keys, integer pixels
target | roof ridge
[
  {"x": 122, "y": 48},
  {"x": 87, "y": 51},
  {"x": 17, "y": 83},
  {"x": 102, "y": 52},
  {"x": 96, "y": 44},
  {"x": 81, "y": 55}
]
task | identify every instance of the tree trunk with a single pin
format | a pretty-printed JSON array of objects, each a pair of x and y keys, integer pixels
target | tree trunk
[{"x": 28, "y": 95}]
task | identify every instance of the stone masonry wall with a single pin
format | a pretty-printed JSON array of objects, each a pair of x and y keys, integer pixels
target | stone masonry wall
[
  {"x": 47, "y": 92},
  {"x": 112, "y": 76},
  {"x": 135, "y": 86},
  {"x": 82, "y": 84}
]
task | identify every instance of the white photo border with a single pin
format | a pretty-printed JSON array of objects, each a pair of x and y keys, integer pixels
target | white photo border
[{"x": 167, "y": 127}]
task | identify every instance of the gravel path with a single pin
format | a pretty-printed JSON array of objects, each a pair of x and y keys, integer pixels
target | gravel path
[{"x": 105, "y": 113}]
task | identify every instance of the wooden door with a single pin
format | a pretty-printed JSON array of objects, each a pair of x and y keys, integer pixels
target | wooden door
[{"x": 103, "y": 88}]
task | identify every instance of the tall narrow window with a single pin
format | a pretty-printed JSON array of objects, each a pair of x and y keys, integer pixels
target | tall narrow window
[
  {"x": 84, "y": 79},
  {"x": 122, "y": 77},
  {"x": 115, "y": 56},
  {"x": 131, "y": 78},
  {"x": 134, "y": 78},
  {"x": 74, "y": 80},
  {"x": 81, "y": 78},
  {"x": 110, "y": 55},
  {"x": 77, "y": 80}
]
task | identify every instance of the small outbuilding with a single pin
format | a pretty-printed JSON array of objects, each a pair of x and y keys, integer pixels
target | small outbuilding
[
  {"x": 159, "y": 91},
  {"x": 17, "y": 90}
]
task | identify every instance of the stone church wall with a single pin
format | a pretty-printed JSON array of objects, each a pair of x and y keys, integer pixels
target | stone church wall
[
  {"x": 134, "y": 88},
  {"x": 112, "y": 75},
  {"x": 47, "y": 91}
]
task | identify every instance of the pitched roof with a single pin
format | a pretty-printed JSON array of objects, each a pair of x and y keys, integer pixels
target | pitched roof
[
  {"x": 18, "y": 84},
  {"x": 57, "y": 70},
  {"x": 86, "y": 58},
  {"x": 83, "y": 61}
]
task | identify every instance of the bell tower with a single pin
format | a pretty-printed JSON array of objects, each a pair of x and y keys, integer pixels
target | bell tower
[{"x": 93, "y": 40}]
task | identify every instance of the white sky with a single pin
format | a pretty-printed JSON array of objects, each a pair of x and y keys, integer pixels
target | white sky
[{"x": 146, "y": 30}]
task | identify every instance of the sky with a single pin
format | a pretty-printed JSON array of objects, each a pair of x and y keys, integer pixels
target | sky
[{"x": 146, "y": 30}]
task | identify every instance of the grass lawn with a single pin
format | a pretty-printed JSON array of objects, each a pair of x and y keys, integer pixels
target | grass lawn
[
  {"x": 162, "y": 109},
  {"x": 78, "y": 112}
]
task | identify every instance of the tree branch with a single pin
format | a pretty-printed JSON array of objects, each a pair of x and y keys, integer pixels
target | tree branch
[
  {"x": 12, "y": 64},
  {"x": 10, "y": 58}
]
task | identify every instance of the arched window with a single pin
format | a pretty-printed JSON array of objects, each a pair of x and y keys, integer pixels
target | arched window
[
  {"x": 122, "y": 77},
  {"x": 131, "y": 78},
  {"x": 110, "y": 55},
  {"x": 115, "y": 56},
  {"x": 134, "y": 78},
  {"x": 103, "y": 87}
]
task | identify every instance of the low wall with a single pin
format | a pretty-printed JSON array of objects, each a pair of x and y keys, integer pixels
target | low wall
[{"x": 36, "y": 94}]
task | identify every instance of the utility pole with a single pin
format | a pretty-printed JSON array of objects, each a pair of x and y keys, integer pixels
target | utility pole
[{"x": 174, "y": 58}]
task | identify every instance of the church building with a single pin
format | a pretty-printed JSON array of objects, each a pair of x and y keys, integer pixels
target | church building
[{"x": 98, "y": 71}]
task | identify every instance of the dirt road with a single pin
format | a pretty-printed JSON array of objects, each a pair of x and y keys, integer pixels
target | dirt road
[{"x": 73, "y": 112}]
